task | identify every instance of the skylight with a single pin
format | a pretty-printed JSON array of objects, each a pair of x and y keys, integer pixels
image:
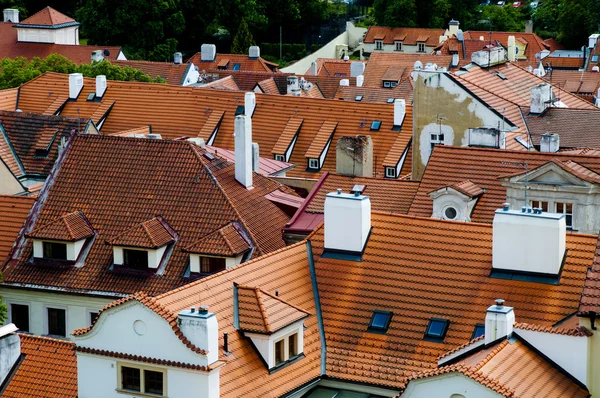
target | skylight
[
  {"x": 478, "y": 331},
  {"x": 358, "y": 98},
  {"x": 236, "y": 67},
  {"x": 91, "y": 96},
  {"x": 594, "y": 58},
  {"x": 380, "y": 321},
  {"x": 358, "y": 188},
  {"x": 436, "y": 330},
  {"x": 390, "y": 100},
  {"x": 375, "y": 125},
  {"x": 240, "y": 110}
]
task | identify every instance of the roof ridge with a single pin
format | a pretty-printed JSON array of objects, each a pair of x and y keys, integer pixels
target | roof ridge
[
  {"x": 283, "y": 301},
  {"x": 69, "y": 229},
  {"x": 460, "y": 347},
  {"x": 261, "y": 307},
  {"x": 220, "y": 231},
  {"x": 491, "y": 355},
  {"x": 578, "y": 331},
  {"x": 145, "y": 226},
  {"x": 28, "y": 336}
]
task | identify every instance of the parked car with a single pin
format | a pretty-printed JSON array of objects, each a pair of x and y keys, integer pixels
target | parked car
[
  {"x": 485, "y": 3},
  {"x": 517, "y": 4},
  {"x": 500, "y": 3}
]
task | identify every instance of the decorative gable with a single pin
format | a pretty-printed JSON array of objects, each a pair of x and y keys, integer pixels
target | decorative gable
[
  {"x": 555, "y": 172},
  {"x": 456, "y": 202}
]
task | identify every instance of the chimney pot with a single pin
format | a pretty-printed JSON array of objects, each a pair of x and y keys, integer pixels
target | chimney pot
[
  {"x": 499, "y": 303},
  {"x": 177, "y": 58},
  {"x": 277, "y": 293},
  {"x": 339, "y": 191},
  {"x": 313, "y": 68},
  {"x": 192, "y": 309},
  {"x": 226, "y": 343},
  {"x": 506, "y": 206},
  {"x": 203, "y": 309}
]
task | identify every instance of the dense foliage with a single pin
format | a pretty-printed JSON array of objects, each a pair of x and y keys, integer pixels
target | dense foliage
[
  {"x": 14, "y": 72},
  {"x": 242, "y": 40}
]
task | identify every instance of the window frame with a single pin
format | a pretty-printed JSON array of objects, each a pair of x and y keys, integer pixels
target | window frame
[
  {"x": 392, "y": 174},
  {"x": 375, "y": 125},
  {"x": 446, "y": 208},
  {"x": 47, "y": 320},
  {"x": 387, "y": 84},
  {"x": 431, "y": 337},
  {"x": 536, "y": 203},
  {"x": 142, "y": 369},
  {"x": 379, "y": 45},
  {"x": 377, "y": 329},
  {"x": 282, "y": 351},
  {"x": 477, "y": 326},
  {"x": 9, "y": 304},
  {"x": 90, "y": 312},
  {"x": 398, "y": 45},
  {"x": 295, "y": 346},
  {"x": 279, "y": 158},
  {"x": 212, "y": 258},
  {"x": 310, "y": 164},
  {"x": 567, "y": 215},
  {"x": 47, "y": 242},
  {"x": 421, "y": 47},
  {"x": 136, "y": 267}
]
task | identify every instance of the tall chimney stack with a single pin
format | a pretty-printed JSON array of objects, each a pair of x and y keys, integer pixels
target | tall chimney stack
[
  {"x": 100, "y": 85},
  {"x": 249, "y": 103},
  {"x": 399, "y": 111},
  {"x": 347, "y": 222},
  {"x": 499, "y": 321},
  {"x": 75, "y": 85},
  {"x": 512, "y": 52},
  {"x": 243, "y": 150},
  {"x": 11, "y": 15}
]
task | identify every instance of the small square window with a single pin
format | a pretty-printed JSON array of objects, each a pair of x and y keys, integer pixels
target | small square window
[
  {"x": 390, "y": 100},
  {"x": 54, "y": 250},
  {"x": 387, "y": 84},
  {"x": 394, "y": 84},
  {"x": 313, "y": 164},
  {"x": 93, "y": 316},
  {"x": 57, "y": 325},
  {"x": 398, "y": 46},
  {"x": 380, "y": 321},
  {"x": 595, "y": 58},
  {"x": 358, "y": 98},
  {"x": 210, "y": 265},
  {"x": 240, "y": 110},
  {"x": 375, "y": 125},
  {"x": 279, "y": 352},
  {"x": 19, "y": 315},
  {"x": 136, "y": 259},
  {"x": 379, "y": 44},
  {"x": 436, "y": 330},
  {"x": 130, "y": 378},
  {"x": 293, "y": 345},
  {"x": 280, "y": 158},
  {"x": 478, "y": 331},
  {"x": 421, "y": 47},
  {"x": 236, "y": 67},
  {"x": 390, "y": 172}
]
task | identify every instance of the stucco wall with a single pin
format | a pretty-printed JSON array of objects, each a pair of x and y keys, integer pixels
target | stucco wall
[
  {"x": 9, "y": 185},
  {"x": 77, "y": 308},
  {"x": 391, "y": 48},
  {"x": 68, "y": 35},
  {"x": 445, "y": 386},
  {"x": 593, "y": 369}
]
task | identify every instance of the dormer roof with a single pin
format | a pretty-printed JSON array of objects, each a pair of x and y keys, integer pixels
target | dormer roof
[
  {"x": 69, "y": 227},
  {"x": 465, "y": 187},
  {"x": 48, "y": 18},
  {"x": 149, "y": 234},
  {"x": 228, "y": 241},
  {"x": 262, "y": 312}
]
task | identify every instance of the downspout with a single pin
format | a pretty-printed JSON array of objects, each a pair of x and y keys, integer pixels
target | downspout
[{"x": 315, "y": 288}]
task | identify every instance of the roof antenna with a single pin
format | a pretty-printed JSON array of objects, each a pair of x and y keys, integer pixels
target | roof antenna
[{"x": 525, "y": 165}]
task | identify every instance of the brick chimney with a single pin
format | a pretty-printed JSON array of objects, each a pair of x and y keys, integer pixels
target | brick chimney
[{"x": 354, "y": 156}]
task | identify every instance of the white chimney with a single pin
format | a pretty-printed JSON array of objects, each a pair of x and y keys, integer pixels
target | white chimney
[
  {"x": 592, "y": 40},
  {"x": 357, "y": 68},
  {"x": 528, "y": 241},
  {"x": 455, "y": 60},
  {"x": 292, "y": 84},
  {"x": 97, "y": 55},
  {"x": 541, "y": 96},
  {"x": 549, "y": 143},
  {"x": 177, "y": 58},
  {"x": 499, "y": 321},
  {"x": 75, "y": 85},
  {"x": 243, "y": 150},
  {"x": 345, "y": 82},
  {"x": 249, "y": 103},
  {"x": 399, "y": 111},
  {"x": 11, "y": 15},
  {"x": 453, "y": 27},
  {"x": 100, "y": 85},
  {"x": 10, "y": 347},
  {"x": 314, "y": 69},
  {"x": 208, "y": 52},
  {"x": 360, "y": 80},
  {"x": 481, "y": 38},
  {"x": 255, "y": 157},
  {"x": 512, "y": 52},
  {"x": 201, "y": 328},
  {"x": 347, "y": 222},
  {"x": 254, "y": 52}
]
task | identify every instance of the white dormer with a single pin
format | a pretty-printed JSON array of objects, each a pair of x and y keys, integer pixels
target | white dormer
[
  {"x": 275, "y": 327},
  {"x": 143, "y": 247},
  {"x": 62, "y": 239},
  {"x": 455, "y": 202}
]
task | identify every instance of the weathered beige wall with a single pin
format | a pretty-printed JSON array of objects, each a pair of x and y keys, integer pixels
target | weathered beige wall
[
  {"x": 593, "y": 357},
  {"x": 9, "y": 185}
]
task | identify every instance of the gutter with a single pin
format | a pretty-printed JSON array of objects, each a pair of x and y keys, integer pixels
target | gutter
[{"x": 315, "y": 288}]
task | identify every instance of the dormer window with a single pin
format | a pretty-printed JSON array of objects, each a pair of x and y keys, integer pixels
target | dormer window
[
  {"x": 398, "y": 45},
  {"x": 62, "y": 240},
  {"x": 378, "y": 44},
  {"x": 380, "y": 322},
  {"x": 275, "y": 326},
  {"x": 421, "y": 47},
  {"x": 280, "y": 158},
  {"x": 456, "y": 202},
  {"x": 436, "y": 329},
  {"x": 143, "y": 247},
  {"x": 478, "y": 331}
]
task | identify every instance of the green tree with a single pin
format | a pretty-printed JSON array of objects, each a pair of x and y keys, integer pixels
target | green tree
[
  {"x": 395, "y": 12},
  {"x": 574, "y": 22},
  {"x": 242, "y": 40},
  {"x": 503, "y": 19},
  {"x": 440, "y": 14},
  {"x": 14, "y": 72}
]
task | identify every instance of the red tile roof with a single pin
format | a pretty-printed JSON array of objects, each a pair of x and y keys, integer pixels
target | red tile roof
[
  {"x": 263, "y": 312},
  {"x": 68, "y": 227},
  {"x": 266, "y": 165},
  {"x": 468, "y": 188},
  {"x": 146, "y": 178},
  {"x": 408, "y": 36},
  {"x": 227, "y": 61},
  {"x": 590, "y": 296},
  {"x": 422, "y": 268},
  {"x": 564, "y": 62},
  {"x": 135, "y": 105},
  {"x": 226, "y": 241},
  {"x": 149, "y": 234},
  {"x": 579, "y": 331},
  {"x": 534, "y": 43},
  {"x": 172, "y": 73},
  {"x": 47, "y": 17},
  {"x": 577, "y": 128},
  {"x": 14, "y": 210},
  {"x": 450, "y": 165},
  {"x": 403, "y": 90},
  {"x": 48, "y": 370}
]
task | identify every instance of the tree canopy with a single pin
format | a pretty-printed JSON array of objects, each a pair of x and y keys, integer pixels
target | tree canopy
[
  {"x": 14, "y": 72},
  {"x": 242, "y": 40}
]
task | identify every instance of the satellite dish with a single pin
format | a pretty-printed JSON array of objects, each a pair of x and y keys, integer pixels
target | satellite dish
[{"x": 106, "y": 53}]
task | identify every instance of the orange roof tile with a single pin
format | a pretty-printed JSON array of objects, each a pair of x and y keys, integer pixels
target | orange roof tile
[
  {"x": 576, "y": 127},
  {"x": 421, "y": 268},
  {"x": 287, "y": 135},
  {"x": 49, "y": 369},
  {"x": 8, "y": 99},
  {"x": 268, "y": 86},
  {"x": 483, "y": 167},
  {"x": 534, "y": 43},
  {"x": 14, "y": 210},
  {"x": 564, "y": 62},
  {"x": 224, "y": 83},
  {"x": 171, "y": 72},
  {"x": 68, "y": 227},
  {"x": 228, "y": 61},
  {"x": 404, "y": 90},
  {"x": 262, "y": 312},
  {"x": 590, "y": 296},
  {"x": 122, "y": 182},
  {"x": 149, "y": 234},
  {"x": 468, "y": 188},
  {"x": 226, "y": 241},
  {"x": 47, "y": 17},
  {"x": 409, "y": 36},
  {"x": 323, "y": 136},
  {"x": 578, "y": 331},
  {"x": 211, "y": 124}
]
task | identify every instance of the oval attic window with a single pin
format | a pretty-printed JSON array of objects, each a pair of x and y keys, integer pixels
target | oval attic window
[{"x": 450, "y": 213}]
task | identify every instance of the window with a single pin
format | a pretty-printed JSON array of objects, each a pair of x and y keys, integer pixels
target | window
[
  {"x": 54, "y": 250},
  {"x": 293, "y": 345},
  {"x": 281, "y": 158},
  {"x": 421, "y": 47},
  {"x": 375, "y": 125},
  {"x": 436, "y": 330},
  {"x": 567, "y": 210},
  {"x": 130, "y": 379},
  {"x": 595, "y": 58},
  {"x": 393, "y": 84},
  {"x": 93, "y": 316},
  {"x": 390, "y": 100},
  {"x": 279, "y": 352},
  {"x": 57, "y": 325},
  {"x": 313, "y": 164},
  {"x": 136, "y": 259},
  {"x": 450, "y": 213},
  {"x": 539, "y": 204},
  {"x": 240, "y": 110},
  {"x": 380, "y": 321},
  {"x": 478, "y": 331},
  {"x": 141, "y": 379},
  {"x": 390, "y": 172},
  {"x": 378, "y": 44},
  {"x": 91, "y": 97},
  {"x": 209, "y": 265},
  {"x": 358, "y": 98},
  {"x": 437, "y": 139},
  {"x": 236, "y": 67},
  {"x": 19, "y": 315},
  {"x": 387, "y": 84},
  {"x": 398, "y": 46}
]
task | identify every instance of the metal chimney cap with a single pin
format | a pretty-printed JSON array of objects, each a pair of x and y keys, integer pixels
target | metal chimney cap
[
  {"x": 192, "y": 309},
  {"x": 499, "y": 302},
  {"x": 339, "y": 191},
  {"x": 203, "y": 309},
  {"x": 506, "y": 206}
]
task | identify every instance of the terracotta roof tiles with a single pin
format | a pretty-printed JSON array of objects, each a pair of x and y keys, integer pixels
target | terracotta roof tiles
[
  {"x": 14, "y": 211},
  {"x": 149, "y": 234},
  {"x": 579, "y": 331},
  {"x": 8, "y": 99},
  {"x": 226, "y": 241},
  {"x": 171, "y": 72},
  {"x": 468, "y": 188},
  {"x": 227, "y": 61},
  {"x": 575, "y": 127},
  {"x": 48, "y": 370},
  {"x": 590, "y": 296},
  {"x": 68, "y": 227},
  {"x": 47, "y": 17},
  {"x": 409, "y": 36}
]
